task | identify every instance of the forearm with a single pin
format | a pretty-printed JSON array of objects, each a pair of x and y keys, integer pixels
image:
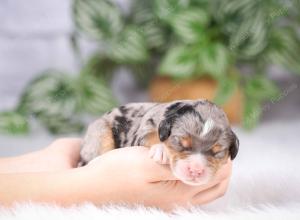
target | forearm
[
  {"x": 63, "y": 188},
  {"x": 60, "y": 155},
  {"x": 18, "y": 163}
]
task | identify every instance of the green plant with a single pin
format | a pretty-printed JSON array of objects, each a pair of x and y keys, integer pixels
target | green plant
[
  {"x": 59, "y": 101},
  {"x": 178, "y": 38},
  {"x": 200, "y": 37}
]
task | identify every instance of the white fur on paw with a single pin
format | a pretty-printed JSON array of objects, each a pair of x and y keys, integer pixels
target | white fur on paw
[{"x": 159, "y": 154}]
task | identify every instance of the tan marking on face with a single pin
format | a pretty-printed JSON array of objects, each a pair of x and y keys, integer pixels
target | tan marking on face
[
  {"x": 151, "y": 139},
  {"x": 216, "y": 148},
  {"x": 107, "y": 141},
  {"x": 215, "y": 163},
  {"x": 186, "y": 142}
]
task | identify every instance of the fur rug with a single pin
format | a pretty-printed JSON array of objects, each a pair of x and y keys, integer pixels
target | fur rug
[
  {"x": 265, "y": 185},
  {"x": 35, "y": 212}
]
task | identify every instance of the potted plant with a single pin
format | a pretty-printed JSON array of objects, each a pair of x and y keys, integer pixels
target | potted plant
[
  {"x": 195, "y": 49},
  {"x": 179, "y": 49}
]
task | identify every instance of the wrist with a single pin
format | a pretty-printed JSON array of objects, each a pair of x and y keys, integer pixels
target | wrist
[{"x": 63, "y": 188}]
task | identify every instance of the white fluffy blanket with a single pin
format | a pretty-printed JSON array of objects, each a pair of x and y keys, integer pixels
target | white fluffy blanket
[{"x": 265, "y": 185}]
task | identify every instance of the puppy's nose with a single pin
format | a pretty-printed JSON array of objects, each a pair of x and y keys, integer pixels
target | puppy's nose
[{"x": 195, "y": 170}]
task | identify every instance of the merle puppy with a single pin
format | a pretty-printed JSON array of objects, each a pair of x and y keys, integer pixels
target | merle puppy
[{"x": 192, "y": 136}]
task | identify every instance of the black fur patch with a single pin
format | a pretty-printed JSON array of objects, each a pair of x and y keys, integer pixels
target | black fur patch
[
  {"x": 116, "y": 136},
  {"x": 134, "y": 113},
  {"x": 123, "y": 110},
  {"x": 172, "y": 112},
  {"x": 140, "y": 141},
  {"x": 151, "y": 122},
  {"x": 176, "y": 111},
  {"x": 172, "y": 108},
  {"x": 133, "y": 140},
  {"x": 234, "y": 146},
  {"x": 120, "y": 126}
]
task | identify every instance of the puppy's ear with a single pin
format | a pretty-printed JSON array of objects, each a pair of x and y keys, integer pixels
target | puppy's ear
[
  {"x": 164, "y": 129},
  {"x": 234, "y": 145}
]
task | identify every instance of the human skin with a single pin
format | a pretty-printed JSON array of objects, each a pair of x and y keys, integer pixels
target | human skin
[{"x": 125, "y": 175}]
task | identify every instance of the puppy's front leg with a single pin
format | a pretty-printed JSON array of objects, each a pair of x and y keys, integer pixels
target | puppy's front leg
[{"x": 158, "y": 152}]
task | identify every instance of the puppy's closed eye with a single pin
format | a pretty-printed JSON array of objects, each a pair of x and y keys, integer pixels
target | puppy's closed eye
[
  {"x": 218, "y": 152},
  {"x": 186, "y": 142},
  {"x": 181, "y": 143}
]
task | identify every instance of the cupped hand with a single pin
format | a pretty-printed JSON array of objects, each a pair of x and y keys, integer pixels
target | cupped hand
[
  {"x": 128, "y": 175},
  {"x": 61, "y": 154}
]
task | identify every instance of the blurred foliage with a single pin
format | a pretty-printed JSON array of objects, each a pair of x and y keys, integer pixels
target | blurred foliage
[
  {"x": 257, "y": 89},
  {"x": 13, "y": 122},
  {"x": 58, "y": 101},
  {"x": 178, "y": 38},
  {"x": 200, "y": 37}
]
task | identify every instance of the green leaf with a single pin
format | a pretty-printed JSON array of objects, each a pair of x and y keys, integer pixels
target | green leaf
[
  {"x": 213, "y": 60},
  {"x": 99, "y": 66},
  {"x": 154, "y": 35},
  {"x": 250, "y": 39},
  {"x": 190, "y": 24},
  {"x": 252, "y": 113},
  {"x": 245, "y": 24},
  {"x": 179, "y": 62},
  {"x": 226, "y": 88},
  {"x": 95, "y": 97},
  {"x": 128, "y": 47},
  {"x": 284, "y": 49},
  {"x": 148, "y": 25},
  {"x": 13, "y": 123},
  {"x": 52, "y": 98},
  {"x": 260, "y": 88},
  {"x": 165, "y": 9},
  {"x": 51, "y": 92},
  {"x": 57, "y": 124},
  {"x": 257, "y": 90},
  {"x": 99, "y": 19}
]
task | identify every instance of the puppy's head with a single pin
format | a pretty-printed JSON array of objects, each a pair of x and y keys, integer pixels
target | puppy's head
[{"x": 199, "y": 140}]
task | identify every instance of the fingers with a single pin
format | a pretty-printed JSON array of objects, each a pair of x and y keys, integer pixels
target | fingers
[
  {"x": 137, "y": 157},
  {"x": 224, "y": 172},
  {"x": 211, "y": 194},
  {"x": 68, "y": 148},
  {"x": 216, "y": 188},
  {"x": 156, "y": 172}
]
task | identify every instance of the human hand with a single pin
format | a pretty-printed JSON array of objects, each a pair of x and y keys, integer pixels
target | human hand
[
  {"x": 63, "y": 153},
  {"x": 60, "y": 155},
  {"x": 128, "y": 175},
  {"x": 125, "y": 175}
]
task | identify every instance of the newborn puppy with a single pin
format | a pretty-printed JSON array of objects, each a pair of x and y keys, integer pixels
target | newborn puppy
[{"x": 193, "y": 136}]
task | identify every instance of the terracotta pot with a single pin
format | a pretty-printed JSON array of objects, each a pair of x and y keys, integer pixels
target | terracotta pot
[{"x": 164, "y": 89}]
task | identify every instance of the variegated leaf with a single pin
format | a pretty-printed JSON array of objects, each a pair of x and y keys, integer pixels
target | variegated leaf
[{"x": 100, "y": 19}]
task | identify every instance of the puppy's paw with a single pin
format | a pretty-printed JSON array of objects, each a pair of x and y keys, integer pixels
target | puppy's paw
[{"x": 159, "y": 153}]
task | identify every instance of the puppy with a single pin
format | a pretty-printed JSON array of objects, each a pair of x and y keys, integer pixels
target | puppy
[{"x": 192, "y": 136}]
